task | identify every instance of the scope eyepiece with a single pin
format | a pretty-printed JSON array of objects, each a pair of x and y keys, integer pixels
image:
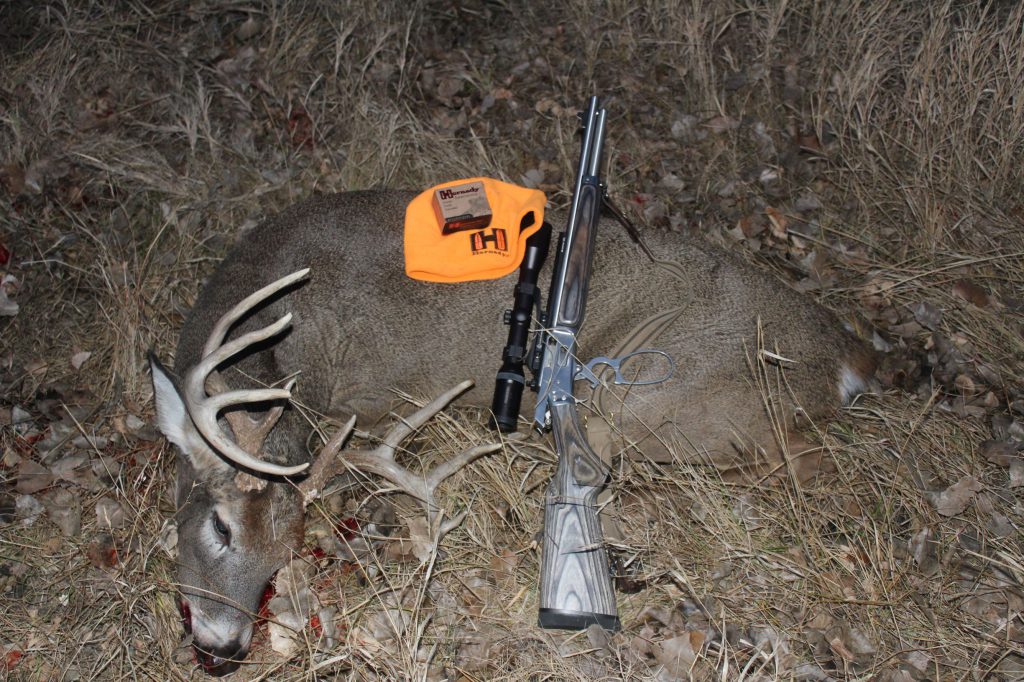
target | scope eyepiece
[{"x": 508, "y": 395}]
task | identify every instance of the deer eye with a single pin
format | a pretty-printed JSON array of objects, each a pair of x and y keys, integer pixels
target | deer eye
[{"x": 221, "y": 528}]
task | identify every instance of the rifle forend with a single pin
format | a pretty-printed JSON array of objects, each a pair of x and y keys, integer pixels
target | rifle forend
[{"x": 571, "y": 278}]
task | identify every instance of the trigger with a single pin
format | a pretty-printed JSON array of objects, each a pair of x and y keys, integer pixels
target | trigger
[{"x": 586, "y": 373}]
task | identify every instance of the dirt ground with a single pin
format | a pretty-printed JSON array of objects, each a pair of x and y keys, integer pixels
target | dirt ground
[{"x": 868, "y": 153}]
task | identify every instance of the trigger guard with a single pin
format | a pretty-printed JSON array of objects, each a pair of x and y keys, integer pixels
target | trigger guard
[{"x": 586, "y": 372}]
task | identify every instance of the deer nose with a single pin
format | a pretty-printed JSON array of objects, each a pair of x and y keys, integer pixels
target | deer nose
[{"x": 222, "y": 660}]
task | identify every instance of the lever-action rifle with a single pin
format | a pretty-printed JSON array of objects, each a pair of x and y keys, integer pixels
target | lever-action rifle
[{"x": 575, "y": 585}]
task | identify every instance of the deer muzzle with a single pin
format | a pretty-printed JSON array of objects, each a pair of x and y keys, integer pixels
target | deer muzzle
[
  {"x": 216, "y": 655},
  {"x": 220, "y": 660}
]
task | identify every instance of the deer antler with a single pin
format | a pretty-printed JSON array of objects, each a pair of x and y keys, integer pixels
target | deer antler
[
  {"x": 381, "y": 461},
  {"x": 203, "y": 407}
]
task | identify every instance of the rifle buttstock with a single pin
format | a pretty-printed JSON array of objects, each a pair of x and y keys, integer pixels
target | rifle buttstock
[{"x": 576, "y": 587}]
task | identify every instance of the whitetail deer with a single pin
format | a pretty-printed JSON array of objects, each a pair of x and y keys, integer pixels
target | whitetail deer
[{"x": 358, "y": 328}]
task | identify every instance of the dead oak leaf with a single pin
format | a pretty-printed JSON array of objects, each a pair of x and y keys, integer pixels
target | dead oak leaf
[
  {"x": 448, "y": 88},
  {"x": 954, "y": 499},
  {"x": 999, "y": 452},
  {"x": 284, "y": 633},
  {"x": 779, "y": 222},
  {"x": 478, "y": 595},
  {"x": 924, "y": 549},
  {"x": 420, "y": 535},
  {"x": 721, "y": 124},
  {"x": 249, "y": 28},
  {"x": 32, "y": 477},
  {"x": 417, "y": 545},
  {"x": 79, "y": 358},
  {"x": 103, "y": 552},
  {"x": 110, "y": 514},
  {"x": 839, "y": 647},
  {"x": 292, "y": 608},
  {"x": 677, "y": 655},
  {"x": 926, "y": 314},
  {"x": 972, "y": 293},
  {"x": 504, "y": 569}
]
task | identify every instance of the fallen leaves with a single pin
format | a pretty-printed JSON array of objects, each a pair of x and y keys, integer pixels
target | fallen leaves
[
  {"x": 927, "y": 315},
  {"x": 32, "y": 477},
  {"x": 1000, "y": 452},
  {"x": 297, "y": 617},
  {"x": 103, "y": 553},
  {"x": 685, "y": 129},
  {"x": 851, "y": 644},
  {"x": 77, "y": 468},
  {"x": 478, "y": 594},
  {"x": 972, "y": 293},
  {"x": 678, "y": 654},
  {"x": 64, "y": 509},
  {"x": 248, "y": 29},
  {"x": 721, "y": 124},
  {"x": 80, "y": 358},
  {"x": 237, "y": 69},
  {"x": 924, "y": 551},
  {"x": 504, "y": 568},
  {"x": 417, "y": 542},
  {"x": 954, "y": 499},
  {"x": 291, "y": 608},
  {"x": 167, "y": 539},
  {"x": 779, "y": 222},
  {"x": 110, "y": 514},
  {"x": 28, "y": 508}
]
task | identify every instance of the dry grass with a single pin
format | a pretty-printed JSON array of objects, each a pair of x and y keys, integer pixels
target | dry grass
[{"x": 138, "y": 141}]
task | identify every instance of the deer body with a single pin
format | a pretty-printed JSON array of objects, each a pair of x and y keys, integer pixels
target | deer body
[{"x": 361, "y": 328}]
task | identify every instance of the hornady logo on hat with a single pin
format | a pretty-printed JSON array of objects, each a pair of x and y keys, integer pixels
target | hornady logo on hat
[
  {"x": 450, "y": 193},
  {"x": 489, "y": 241}
]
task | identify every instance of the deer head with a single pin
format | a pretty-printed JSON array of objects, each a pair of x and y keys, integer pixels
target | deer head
[
  {"x": 235, "y": 529},
  {"x": 241, "y": 517},
  {"x": 232, "y": 536}
]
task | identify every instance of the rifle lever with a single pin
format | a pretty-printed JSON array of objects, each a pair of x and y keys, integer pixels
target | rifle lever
[{"x": 587, "y": 373}]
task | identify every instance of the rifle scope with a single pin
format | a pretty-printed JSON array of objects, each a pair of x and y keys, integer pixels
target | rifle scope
[{"x": 508, "y": 385}]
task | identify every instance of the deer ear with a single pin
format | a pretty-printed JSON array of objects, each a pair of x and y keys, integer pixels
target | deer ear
[{"x": 173, "y": 421}]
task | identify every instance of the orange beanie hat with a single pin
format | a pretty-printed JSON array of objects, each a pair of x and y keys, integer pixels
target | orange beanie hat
[{"x": 487, "y": 253}]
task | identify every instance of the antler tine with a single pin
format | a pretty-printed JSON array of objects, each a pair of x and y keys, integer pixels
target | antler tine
[
  {"x": 408, "y": 425},
  {"x": 212, "y": 359},
  {"x": 220, "y": 330},
  {"x": 262, "y": 428},
  {"x": 448, "y": 468},
  {"x": 326, "y": 465},
  {"x": 203, "y": 409},
  {"x": 249, "y": 433},
  {"x": 381, "y": 460}
]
